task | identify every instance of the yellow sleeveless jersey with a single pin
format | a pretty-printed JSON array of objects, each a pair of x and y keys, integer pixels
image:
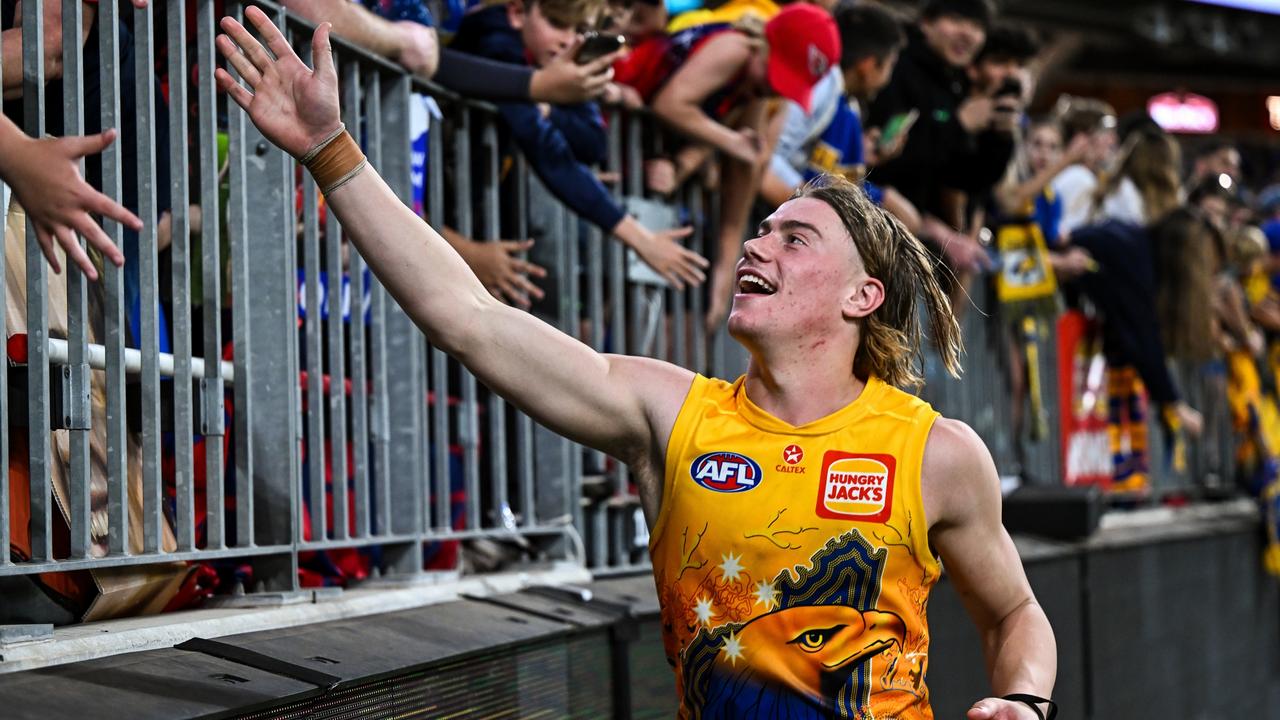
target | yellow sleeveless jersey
[{"x": 792, "y": 563}]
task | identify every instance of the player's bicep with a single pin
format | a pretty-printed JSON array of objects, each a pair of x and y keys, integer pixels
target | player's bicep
[{"x": 980, "y": 559}]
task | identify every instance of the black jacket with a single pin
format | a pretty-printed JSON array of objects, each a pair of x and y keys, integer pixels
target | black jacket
[{"x": 939, "y": 152}]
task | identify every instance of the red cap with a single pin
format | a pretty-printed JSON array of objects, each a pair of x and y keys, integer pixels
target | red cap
[{"x": 803, "y": 45}]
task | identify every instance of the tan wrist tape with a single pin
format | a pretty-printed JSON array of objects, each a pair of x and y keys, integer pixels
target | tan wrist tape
[{"x": 334, "y": 160}]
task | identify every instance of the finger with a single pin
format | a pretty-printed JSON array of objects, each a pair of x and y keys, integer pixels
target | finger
[
  {"x": 104, "y": 206},
  {"x": 46, "y": 246},
  {"x": 251, "y": 48},
  {"x": 90, "y": 144},
  {"x": 140, "y": 4},
  {"x": 233, "y": 89},
  {"x": 99, "y": 239},
  {"x": 267, "y": 29},
  {"x": 694, "y": 275},
  {"x": 322, "y": 52},
  {"x": 679, "y": 233},
  {"x": 697, "y": 259},
  {"x": 602, "y": 64},
  {"x": 239, "y": 61},
  {"x": 675, "y": 280},
  {"x": 528, "y": 288},
  {"x": 531, "y": 270},
  {"x": 77, "y": 255},
  {"x": 512, "y": 290}
]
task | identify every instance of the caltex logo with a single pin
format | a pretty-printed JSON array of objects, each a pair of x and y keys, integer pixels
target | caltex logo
[{"x": 792, "y": 454}]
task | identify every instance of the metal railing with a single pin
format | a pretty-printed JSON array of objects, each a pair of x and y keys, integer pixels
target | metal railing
[{"x": 311, "y": 389}]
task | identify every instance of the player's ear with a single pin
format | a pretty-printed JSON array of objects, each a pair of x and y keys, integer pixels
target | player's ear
[{"x": 863, "y": 298}]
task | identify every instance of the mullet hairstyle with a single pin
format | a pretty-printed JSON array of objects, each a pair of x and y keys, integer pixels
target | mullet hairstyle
[{"x": 891, "y": 342}]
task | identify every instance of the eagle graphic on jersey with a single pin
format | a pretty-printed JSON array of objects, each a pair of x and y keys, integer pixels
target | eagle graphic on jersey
[{"x": 815, "y": 651}]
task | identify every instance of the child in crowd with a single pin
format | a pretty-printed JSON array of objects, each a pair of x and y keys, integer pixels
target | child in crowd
[{"x": 562, "y": 141}]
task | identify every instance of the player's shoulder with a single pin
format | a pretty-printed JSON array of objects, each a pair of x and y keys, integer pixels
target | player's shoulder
[{"x": 958, "y": 471}]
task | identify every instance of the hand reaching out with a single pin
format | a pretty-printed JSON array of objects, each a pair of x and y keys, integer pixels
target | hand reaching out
[
  {"x": 997, "y": 709},
  {"x": 294, "y": 106},
  {"x": 564, "y": 82},
  {"x": 673, "y": 261},
  {"x": 45, "y": 177},
  {"x": 506, "y": 276}
]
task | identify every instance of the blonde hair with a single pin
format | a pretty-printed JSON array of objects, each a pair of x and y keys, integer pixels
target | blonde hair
[
  {"x": 890, "y": 346},
  {"x": 1150, "y": 159}
]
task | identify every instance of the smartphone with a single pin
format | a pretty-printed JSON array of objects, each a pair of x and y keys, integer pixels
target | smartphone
[
  {"x": 898, "y": 125},
  {"x": 597, "y": 45}
]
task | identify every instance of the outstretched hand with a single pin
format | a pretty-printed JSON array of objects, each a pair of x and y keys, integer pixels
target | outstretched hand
[
  {"x": 45, "y": 177},
  {"x": 294, "y": 106}
]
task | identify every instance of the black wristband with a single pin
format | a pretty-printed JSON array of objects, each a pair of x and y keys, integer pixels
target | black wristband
[{"x": 1034, "y": 703}]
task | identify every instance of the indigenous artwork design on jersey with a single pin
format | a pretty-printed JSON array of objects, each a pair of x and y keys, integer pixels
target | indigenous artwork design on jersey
[{"x": 818, "y": 644}]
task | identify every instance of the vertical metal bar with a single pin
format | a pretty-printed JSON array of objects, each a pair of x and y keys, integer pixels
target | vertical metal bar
[
  {"x": 37, "y": 301},
  {"x": 439, "y": 361},
  {"x": 492, "y": 232},
  {"x": 337, "y": 360},
  {"x": 617, "y": 269},
  {"x": 213, "y": 418},
  {"x": 148, "y": 278},
  {"x": 693, "y": 201},
  {"x": 404, "y": 476},
  {"x": 76, "y": 373},
  {"x": 469, "y": 422},
  {"x": 314, "y": 345},
  {"x": 113, "y": 286},
  {"x": 180, "y": 259},
  {"x": 379, "y": 403},
  {"x": 315, "y": 357},
  {"x": 352, "y": 97},
  {"x": 237, "y": 233},
  {"x": 4, "y": 387},
  {"x": 524, "y": 423}
]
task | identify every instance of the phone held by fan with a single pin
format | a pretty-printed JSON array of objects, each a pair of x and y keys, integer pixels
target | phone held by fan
[
  {"x": 597, "y": 45},
  {"x": 897, "y": 126}
]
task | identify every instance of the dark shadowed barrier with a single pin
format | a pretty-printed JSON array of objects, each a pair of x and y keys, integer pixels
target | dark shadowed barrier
[{"x": 1172, "y": 618}]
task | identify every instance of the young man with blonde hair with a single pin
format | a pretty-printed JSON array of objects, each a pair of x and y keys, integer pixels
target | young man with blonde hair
[{"x": 796, "y": 512}]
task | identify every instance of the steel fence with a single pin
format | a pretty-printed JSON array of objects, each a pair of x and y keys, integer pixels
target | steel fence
[{"x": 330, "y": 423}]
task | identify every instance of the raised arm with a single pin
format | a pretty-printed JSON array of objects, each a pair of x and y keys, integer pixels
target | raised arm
[
  {"x": 714, "y": 66},
  {"x": 962, "y": 497},
  {"x": 621, "y": 405}
]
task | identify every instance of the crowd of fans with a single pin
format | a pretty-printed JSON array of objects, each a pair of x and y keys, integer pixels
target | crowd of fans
[{"x": 926, "y": 106}]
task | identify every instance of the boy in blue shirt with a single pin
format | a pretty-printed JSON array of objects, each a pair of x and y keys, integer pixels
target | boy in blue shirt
[{"x": 560, "y": 142}]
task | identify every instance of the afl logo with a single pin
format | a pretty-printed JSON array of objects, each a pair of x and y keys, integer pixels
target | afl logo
[{"x": 726, "y": 472}]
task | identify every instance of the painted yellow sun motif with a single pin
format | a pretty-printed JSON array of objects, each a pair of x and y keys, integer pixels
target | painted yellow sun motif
[
  {"x": 731, "y": 566},
  {"x": 733, "y": 648},
  {"x": 767, "y": 595},
  {"x": 703, "y": 610}
]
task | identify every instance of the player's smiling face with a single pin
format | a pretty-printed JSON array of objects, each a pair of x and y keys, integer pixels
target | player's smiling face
[{"x": 800, "y": 279}]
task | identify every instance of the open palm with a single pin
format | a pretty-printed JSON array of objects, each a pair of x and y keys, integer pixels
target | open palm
[{"x": 294, "y": 106}]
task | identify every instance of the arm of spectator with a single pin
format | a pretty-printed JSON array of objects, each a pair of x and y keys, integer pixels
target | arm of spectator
[
  {"x": 561, "y": 81},
  {"x": 1013, "y": 197},
  {"x": 623, "y": 406},
  {"x": 741, "y": 185},
  {"x": 962, "y": 494},
  {"x": 574, "y": 184},
  {"x": 409, "y": 43},
  {"x": 45, "y": 177},
  {"x": 903, "y": 209},
  {"x": 11, "y": 43},
  {"x": 679, "y": 103},
  {"x": 583, "y": 128}
]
